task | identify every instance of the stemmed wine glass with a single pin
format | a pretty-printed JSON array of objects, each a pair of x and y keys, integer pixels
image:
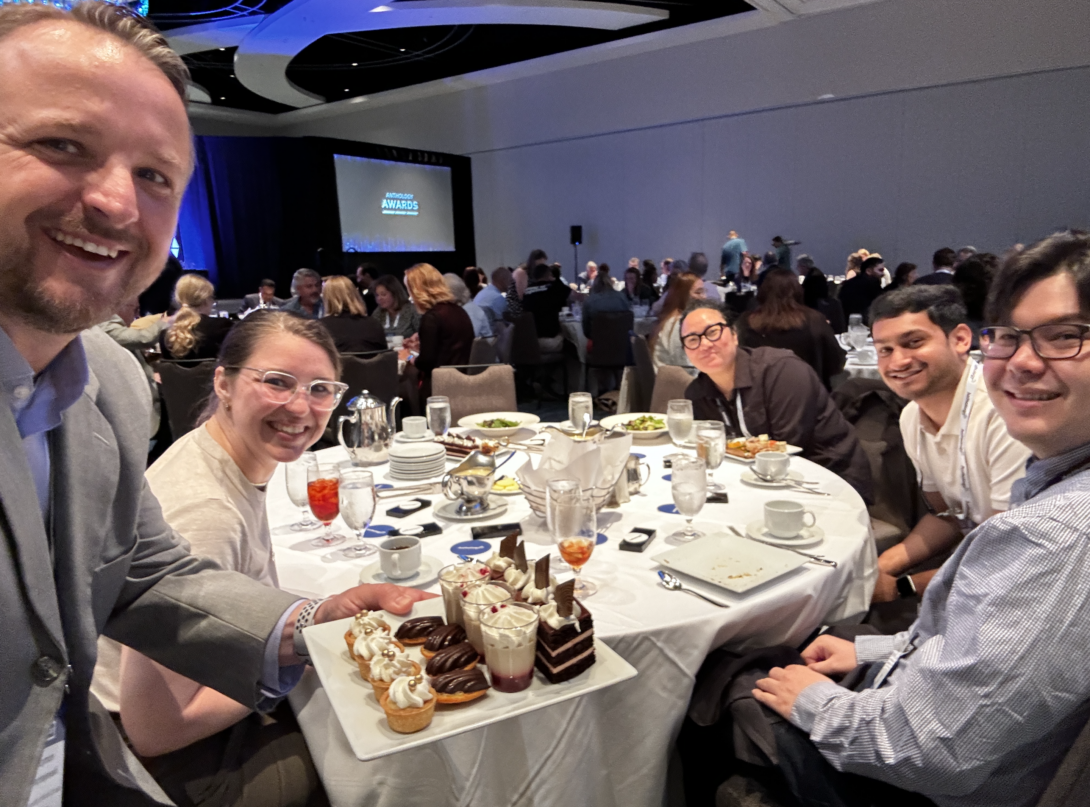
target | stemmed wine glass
[
  {"x": 711, "y": 446},
  {"x": 438, "y": 411},
  {"x": 560, "y": 488},
  {"x": 295, "y": 478},
  {"x": 679, "y": 420},
  {"x": 575, "y": 530},
  {"x": 689, "y": 486},
  {"x": 358, "y": 501},
  {"x": 323, "y": 492}
]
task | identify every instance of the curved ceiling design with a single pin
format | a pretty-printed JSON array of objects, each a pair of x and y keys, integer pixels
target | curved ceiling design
[{"x": 266, "y": 49}]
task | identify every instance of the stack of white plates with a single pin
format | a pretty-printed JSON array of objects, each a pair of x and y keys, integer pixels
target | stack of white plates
[{"x": 416, "y": 461}]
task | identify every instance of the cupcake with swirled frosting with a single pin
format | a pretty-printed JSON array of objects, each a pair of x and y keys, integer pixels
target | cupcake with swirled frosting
[
  {"x": 387, "y": 667},
  {"x": 369, "y": 645},
  {"x": 409, "y": 704},
  {"x": 364, "y": 619}
]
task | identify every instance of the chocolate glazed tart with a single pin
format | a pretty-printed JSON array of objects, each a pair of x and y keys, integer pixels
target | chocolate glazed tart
[
  {"x": 417, "y": 629},
  {"x": 459, "y": 686},
  {"x": 456, "y": 657},
  {"x": 442, "y": 637}
]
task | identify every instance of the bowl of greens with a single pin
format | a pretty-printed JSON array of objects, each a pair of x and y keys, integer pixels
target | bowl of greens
[
  {"x": 498, "y": 424},
  {"x": 641, "y": 425}
]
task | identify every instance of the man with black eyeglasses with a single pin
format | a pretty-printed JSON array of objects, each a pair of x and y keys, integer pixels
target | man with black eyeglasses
[
  {"x": 769, "y": 391},
  {"x": 979, "y": 701}
]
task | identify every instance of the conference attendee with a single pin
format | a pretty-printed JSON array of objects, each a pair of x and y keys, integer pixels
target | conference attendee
[
  {"x": 603, "y": 298},
  {"x": 138, "y": 341},
  {"x": 783, "y": 251},
  {"x": 395, "y": 313},
  {"x": 904, "y": 275},
  {"x": 446, "y": 332},
  {"x": 803, "y": 265},
  {"x": 491, "y": 298},
  {"x": 698, "y": 265},
  {"x": 544, "y": 297},
  {"x": 942, "y": 268},
  {"x": 781, "y": 319},
  {"x": 857, "y": 293},
  {"x": 748, "y": 269},
  {"x": 665, "y": 340},
  {"x": 265, "y": 297},
  {"x": 306, "y": 290},
  {"x": 666, "y": 267},
  {"x": 677, "y": 269},
  {"x": 815, "y": 295},
  {"x": 365, "y": 278},
  {"x": 964, "y": 254},
  {"x": 979, "y": 701},
  {"x": 101, "y": 160},
  {"x": 649, "y": 276},
  {"x": 730, "y": 260},
  {"x": 587, "y": 276},
  {"x": 636, "y": 291},
  {"x": 472, "y": 279},
  {"x": 769, "y": 391},
  {"x": 519, "y": 281},
  {"x": 855, "y": 263},
  {"x": 482, "y": 326},
  {"x": 972, "y": 279},
  {"x": 194, "y": 334},
  {"x": 950, "y": 427},
  {"x": 346, "y": 318},
  {"x": 211, "y": 485}
]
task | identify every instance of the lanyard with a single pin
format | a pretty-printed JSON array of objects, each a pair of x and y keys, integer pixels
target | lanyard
[
  {"x": 965, "y": 514},
  {"x": 397, "y": 316},
  {"x": 741, "y": 417}
]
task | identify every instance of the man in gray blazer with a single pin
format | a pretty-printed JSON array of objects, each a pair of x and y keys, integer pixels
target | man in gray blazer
[
  {"x": 95, "y": 154},
  {"x": 264, "y": 296}
]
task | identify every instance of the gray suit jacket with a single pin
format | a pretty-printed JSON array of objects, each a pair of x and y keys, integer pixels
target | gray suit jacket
[
  {"x": 254, "y": 300},
  {"x": 116, "y": 568}
]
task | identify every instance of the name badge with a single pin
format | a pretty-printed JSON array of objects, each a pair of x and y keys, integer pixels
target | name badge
[{"x": 48, "y": 788}]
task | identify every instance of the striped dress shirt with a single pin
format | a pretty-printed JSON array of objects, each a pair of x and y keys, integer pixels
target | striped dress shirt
[{"x": 978, "y": 702}]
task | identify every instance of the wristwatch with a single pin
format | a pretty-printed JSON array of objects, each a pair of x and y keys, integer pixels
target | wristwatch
[
  {"x": 305, "y": 620},
  {"x": 905, "y": 586}
]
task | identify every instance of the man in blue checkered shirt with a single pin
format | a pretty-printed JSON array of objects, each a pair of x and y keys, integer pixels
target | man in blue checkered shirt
[{"x": 979, "y": 701}]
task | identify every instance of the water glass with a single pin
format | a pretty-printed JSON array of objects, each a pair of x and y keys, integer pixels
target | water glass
[
  {"x": 358, "y": 502},
  {"x": 438, "y": 411},
  {"x": 688, "y": 484},
  {"x": 574, "y": 528},
  {"x": 579, "y": 404},
  {"x": 679, "y": 420},
  {"x": 323, "y": 493},
  {"x": 711, "y": 446},
  {"x": 295, "y": 478}
]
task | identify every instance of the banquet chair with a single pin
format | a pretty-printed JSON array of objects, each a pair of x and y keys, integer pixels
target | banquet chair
[
  {"x": 376, "y": 373},
  {"x": 492, "y": 390},
  {"x": 185, "y": 387},
  {"x": 670, "y": 383},
  {"x": 483, "y": 351},
  {"x": 645, "y": 373},
  {"x": 526, "y": 355},
  {"x": 608, "y": 347}
]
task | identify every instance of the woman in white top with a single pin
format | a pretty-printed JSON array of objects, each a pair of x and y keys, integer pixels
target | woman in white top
[
  {"x": 274, "y": 388},
  {"x": 666, "y": 347}
]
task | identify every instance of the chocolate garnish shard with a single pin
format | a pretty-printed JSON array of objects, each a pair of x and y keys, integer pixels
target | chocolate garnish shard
[
  {"x": 541, "y": 572},
  {"x": 520, "y": 558},
  {"x": 565, "y": 598},
  {"x": 507, "y": 546}
]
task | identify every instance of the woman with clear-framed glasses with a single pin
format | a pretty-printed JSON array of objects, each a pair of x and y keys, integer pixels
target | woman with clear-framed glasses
[{"x": 275, "y": 387}]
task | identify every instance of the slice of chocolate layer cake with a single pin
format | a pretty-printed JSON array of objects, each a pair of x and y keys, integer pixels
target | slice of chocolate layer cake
[{"x": 565, "y": 636}]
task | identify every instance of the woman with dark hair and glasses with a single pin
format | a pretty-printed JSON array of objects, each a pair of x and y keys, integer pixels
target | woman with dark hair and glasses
[
  {"x": 770, "y": 391},
  {"x": 274, "y": 389}
]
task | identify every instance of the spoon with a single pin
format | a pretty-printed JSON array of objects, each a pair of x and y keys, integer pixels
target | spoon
[
  {"x": 790, "y": 484},
  {"x": 673, "y": 584},
  {"x": 586, "y": 425}
]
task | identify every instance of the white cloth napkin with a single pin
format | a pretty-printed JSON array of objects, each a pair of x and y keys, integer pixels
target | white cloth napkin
[{"x": 595, "y": 465}]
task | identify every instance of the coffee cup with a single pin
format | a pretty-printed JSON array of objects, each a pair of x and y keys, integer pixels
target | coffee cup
[
  {"x": 415, "y": 426},
  {"x": 772, "y": 465},
  {"x": 396, "y": 342},
  {"x": 784, "y": 519},
  {"x": 399, "y": 557},
  {"x": 866, "y": 355}
]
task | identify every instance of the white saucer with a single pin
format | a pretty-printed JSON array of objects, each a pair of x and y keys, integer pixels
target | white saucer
[
  {"x": 449, "y": 511},
  {"x": 424, "y": 577},
  {"x": 401, "y": 437},
  {"x": 810, "y": 536},
  {"x": 751, "y": 478}
]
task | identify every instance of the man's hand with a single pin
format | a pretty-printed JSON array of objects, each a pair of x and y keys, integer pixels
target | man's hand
[
  {"x": 783, "y": 685},
  {"x": 372, "y": 597},
  {"x": 828, "y": 655},
  {"x": 885, "y": 590}
]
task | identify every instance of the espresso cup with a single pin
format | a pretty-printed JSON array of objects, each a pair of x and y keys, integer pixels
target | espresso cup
[
  {"x": 784, "y": 519},
  {"x": 399, "y": 557},
  {"x": 415, "y": 426},
  {"x": 772, "y": 464}
]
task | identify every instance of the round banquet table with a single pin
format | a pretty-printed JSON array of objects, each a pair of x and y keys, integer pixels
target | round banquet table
[{"x": 611, "y": 747}]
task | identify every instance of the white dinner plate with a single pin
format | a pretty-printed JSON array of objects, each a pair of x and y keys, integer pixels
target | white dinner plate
[
  {"x": 792, "y": 450},
  {"x": 621, "y": 420},
  {"x": 524, "y": 419},
  {"x": 751, "y": 478},
  {"x": 730, "y": 562},
  {"x": 810, "y": 536},
  {"x": 427, "y": 574},
  {"x": 364, "y": 722},
  {"x": 449, "y": 512}
]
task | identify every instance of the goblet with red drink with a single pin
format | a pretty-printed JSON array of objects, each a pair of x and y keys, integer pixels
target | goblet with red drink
[{"x": 323, "y": 493}]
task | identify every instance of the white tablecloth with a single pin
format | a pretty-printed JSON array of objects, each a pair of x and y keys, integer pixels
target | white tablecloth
[{"x": 609, "y": 748}]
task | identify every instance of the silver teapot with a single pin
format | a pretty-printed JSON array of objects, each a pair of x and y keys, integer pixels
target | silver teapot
[{"x": 371, "y": 429}]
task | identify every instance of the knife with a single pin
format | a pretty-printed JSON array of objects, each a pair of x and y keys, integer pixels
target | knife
[{"x": 813, "y": 558}]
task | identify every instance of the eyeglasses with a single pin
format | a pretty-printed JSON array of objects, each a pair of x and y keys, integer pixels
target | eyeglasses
[
  {"x": 713, "y": 333},
  {"x": 281, "y": 388},
  {"x": 1060, "y": 341}
]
